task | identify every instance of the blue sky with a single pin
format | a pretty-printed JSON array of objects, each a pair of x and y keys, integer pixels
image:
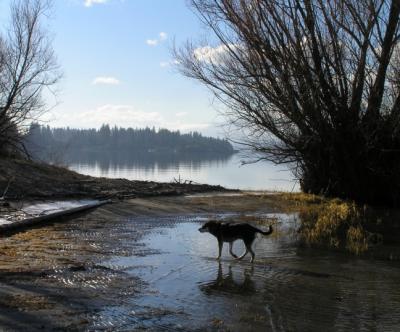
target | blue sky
[{"x": 118, "y": 68}]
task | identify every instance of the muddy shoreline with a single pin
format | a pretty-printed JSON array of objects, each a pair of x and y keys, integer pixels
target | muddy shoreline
[
  {"x": 22, "y": 179},
  {"x": 53, "y": 276}
]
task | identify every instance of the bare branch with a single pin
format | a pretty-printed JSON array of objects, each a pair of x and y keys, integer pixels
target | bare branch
[
  {"x": 27, "y": 67},
  {"x": 311, "y": 82}
]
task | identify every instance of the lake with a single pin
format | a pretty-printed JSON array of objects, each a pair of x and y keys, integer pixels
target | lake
[{"x": 226, "y": 171}]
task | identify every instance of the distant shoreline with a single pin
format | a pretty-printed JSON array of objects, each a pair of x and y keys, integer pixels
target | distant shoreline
[
  {"x": 22, "y": 179},
  {"x": 42, "y": 141}
]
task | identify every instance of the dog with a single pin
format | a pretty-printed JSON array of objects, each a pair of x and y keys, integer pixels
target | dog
[{"x": 227, "y": 232}]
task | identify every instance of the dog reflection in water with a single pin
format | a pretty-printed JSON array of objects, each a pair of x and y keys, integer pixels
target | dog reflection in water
[
  {"x": 227, "y": 283},
  {"x": 230, "y": 232}
]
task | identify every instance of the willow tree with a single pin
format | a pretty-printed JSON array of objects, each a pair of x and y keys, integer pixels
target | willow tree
[
  {"x": 314, "y": 84},
  {"x": 28, "y": 67}
]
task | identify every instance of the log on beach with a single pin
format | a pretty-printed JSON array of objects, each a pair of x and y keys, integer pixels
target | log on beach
[{"x": 20, "y": 224}]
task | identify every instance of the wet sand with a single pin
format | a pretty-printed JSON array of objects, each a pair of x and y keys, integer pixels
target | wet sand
[{"x": 141, "y": 264}]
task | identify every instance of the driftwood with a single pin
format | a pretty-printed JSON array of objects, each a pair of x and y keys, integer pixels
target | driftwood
[
  {"x": 180, "y": 181},
  {"x": 20, "y": 224}
]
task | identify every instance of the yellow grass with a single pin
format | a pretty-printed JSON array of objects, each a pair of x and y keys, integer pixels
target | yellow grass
[{"x": 331, "y": 222}]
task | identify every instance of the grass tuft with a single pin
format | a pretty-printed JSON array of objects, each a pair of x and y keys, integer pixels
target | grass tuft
[{"x": 331, "y": 223}]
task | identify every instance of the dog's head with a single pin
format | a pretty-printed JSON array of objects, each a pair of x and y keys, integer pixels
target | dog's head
[{"x": 209, "y": 226}]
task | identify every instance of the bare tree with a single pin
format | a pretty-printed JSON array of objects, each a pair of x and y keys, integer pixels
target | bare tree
[
  {"x": 27, "y": 67},
  {"x": 314, "y": 83}
]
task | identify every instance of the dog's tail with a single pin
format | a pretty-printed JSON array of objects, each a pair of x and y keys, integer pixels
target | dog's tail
[{"x": 268, "y": 232}]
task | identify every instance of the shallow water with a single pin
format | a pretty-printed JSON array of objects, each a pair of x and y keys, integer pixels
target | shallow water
[
  {"x": 286, "y": 289},
  {"x": 159, "y": 273}
]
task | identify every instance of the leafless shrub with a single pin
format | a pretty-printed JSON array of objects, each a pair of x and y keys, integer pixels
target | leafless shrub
[
  {"x": 312, "y": 83},
  {"x": 27, "y": 67}
]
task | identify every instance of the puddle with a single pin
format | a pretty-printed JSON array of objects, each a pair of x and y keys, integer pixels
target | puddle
[
  {"x": 286, "y": 289},
  {"x": 160, "y": 274}
]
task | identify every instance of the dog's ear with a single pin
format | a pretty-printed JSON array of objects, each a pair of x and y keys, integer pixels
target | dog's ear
[{"x": 204, "y": 228}]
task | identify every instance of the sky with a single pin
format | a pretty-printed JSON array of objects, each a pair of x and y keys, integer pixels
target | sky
[{"x": 117, "y": 66}]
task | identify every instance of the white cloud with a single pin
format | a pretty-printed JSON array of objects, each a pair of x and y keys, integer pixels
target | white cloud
[
  {"x": 106, "y": 80},
  {"x": 122, "y": 116},
  {"x": 213, "y": 54},
  {"x": 162, "y": 36},
  {"x": 152, "y": 42},
  {"x": 90, "y": 3},
  {"x": 165, "y": 64},
  {"x": 119, "y": 115}
]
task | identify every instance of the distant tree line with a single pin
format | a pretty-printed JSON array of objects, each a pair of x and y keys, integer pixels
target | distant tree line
[{"x": 42, "y": 141}]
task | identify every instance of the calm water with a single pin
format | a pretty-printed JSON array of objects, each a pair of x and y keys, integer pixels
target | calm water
[
  {"x": 160, "y": 274},
  {"x": 227, "y": 171}
]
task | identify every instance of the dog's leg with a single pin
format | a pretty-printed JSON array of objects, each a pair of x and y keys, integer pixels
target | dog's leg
[
  {"x": 244, "y": 254},
  {"x": 220, "y": 273},
  {"x": 230, "y": 250},
  {"x": 248, "y": 248},
  {"x": 220, "y": 244}
]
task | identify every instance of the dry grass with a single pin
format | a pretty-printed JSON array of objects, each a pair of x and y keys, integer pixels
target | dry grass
[
  {"x": 28, "y": 301},
  {"x": 331, "y": 222}
]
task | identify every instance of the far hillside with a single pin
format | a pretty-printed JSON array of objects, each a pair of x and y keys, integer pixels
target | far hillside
[{"x": 44, "y": 141}]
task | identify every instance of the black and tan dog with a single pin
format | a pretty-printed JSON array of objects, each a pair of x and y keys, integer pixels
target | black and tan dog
[{"x": 227, "y": 232}]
